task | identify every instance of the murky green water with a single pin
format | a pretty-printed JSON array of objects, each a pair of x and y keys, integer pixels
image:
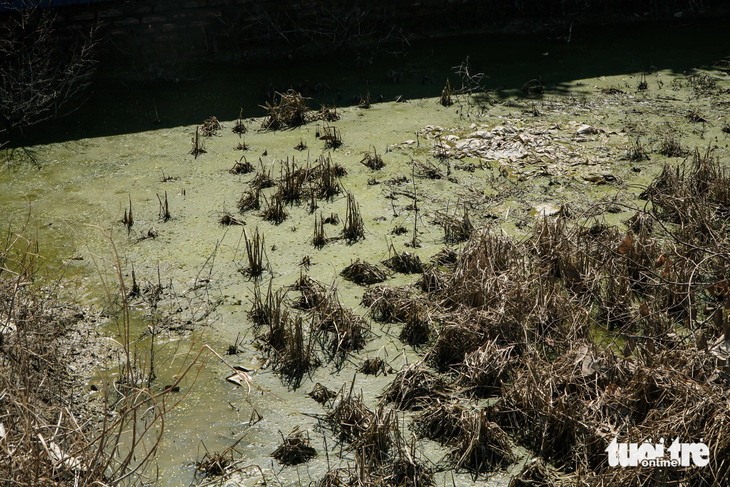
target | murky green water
[{"x": 83, "y": 185}]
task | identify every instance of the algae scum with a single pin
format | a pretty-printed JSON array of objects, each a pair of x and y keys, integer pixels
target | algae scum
[{"x": 414, "y": 293}]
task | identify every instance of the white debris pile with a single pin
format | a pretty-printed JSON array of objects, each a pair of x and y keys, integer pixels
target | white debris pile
[{"x": 552, "y": 148}]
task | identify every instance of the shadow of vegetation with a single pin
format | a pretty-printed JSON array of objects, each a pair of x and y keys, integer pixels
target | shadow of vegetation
[{"x": 157, "y": 97}]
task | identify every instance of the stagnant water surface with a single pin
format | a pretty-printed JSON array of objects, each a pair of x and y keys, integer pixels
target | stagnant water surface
[{"x": 132, "y": 143}]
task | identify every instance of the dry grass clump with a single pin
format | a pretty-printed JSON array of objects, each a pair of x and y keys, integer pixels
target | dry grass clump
[
  {"x": 406, "y": 470},
  {"x": 311, "y": 293},
  {"x": 374, "y": 366},
  {"x": 455, "y": 340},
  {"x": 287, "y": 110},
  {"x": 445, "y": 257},
  {"x": 534, "y": 473},
  {"x": 414, "y": 388},
  {"x": 242, "y": 166},
  {"x": 702, "y": 83},
  {"x": 337, "y": 477},
  {"x": 240, "y": 126},
  {"x": 292, "y": 350},
  {"x": 296, "y": 448},
  {"x": 297, "y": 357},
  {"x": 322, "y": 394},
  {"x": 440, "y": 421},
  {"x": 456, "y": 228},
  {"x": 485, "y": 370},
  {"x": 350, "y": 418},
  {"x": 334, "y": 329},
  {"x": 255, "y": 254},
  {"x": 346, "y": 330},
  {"x": 636, "y": 152},
  {"x": 377, "y": 440},
  {"x": 327, "y": 175},
  {"x": 428, "y": 170},
  {"x": 695, "y": 196},
  {"x": 570, "y": 409},
  {"x": 250, "y": 199},
  {"x": 483, "y": 260},
  {"x": 555, "y": 406},
  {"x": 214, "y": 465},
  {"x": 198, "y": 147},
  {"x": 274, "y": 210},
  {"x": 416, "y": 331},
  {"x": 388, "y": 304},
  {"x": 431, "y": 281},
  {"x": 354, "y": 227},
  {"x": 268, "y": 310},
  {"x": 327, "y": 113},
  {"x": 262, "y": 180},
  {"x": 475, "y": 443},
  {"x": 227, "y": 219},
  {"x": 331, "y": 136},
  {"x": 671, "y": 147},
  {"x": 361, "y": 272},
  {"x": 405, "y": 262},
  {"x": 210, "y": 127},
  {"x": 445, "y": 99},
  {"x": 482, "y": 445},
  {"x": 291, "y": 182},
  {"x": 373, "y": 161},
  {"x": 319, "y": 239}
]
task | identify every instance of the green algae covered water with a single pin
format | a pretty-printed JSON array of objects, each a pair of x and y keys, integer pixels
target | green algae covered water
[{"x": 508, "y": 161}]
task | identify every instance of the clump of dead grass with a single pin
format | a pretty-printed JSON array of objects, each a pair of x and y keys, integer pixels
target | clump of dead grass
[
  {"x": 361, "y": 272},
  {"x": 296, "y": 448},
  {"x": 287, "y": 110}
]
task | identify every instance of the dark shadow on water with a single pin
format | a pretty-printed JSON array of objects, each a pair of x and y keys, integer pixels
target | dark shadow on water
[{"x": 154, "y": 97}]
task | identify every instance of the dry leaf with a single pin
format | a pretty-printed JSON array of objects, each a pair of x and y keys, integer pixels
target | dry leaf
[{"x": 627, "y": 245}]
